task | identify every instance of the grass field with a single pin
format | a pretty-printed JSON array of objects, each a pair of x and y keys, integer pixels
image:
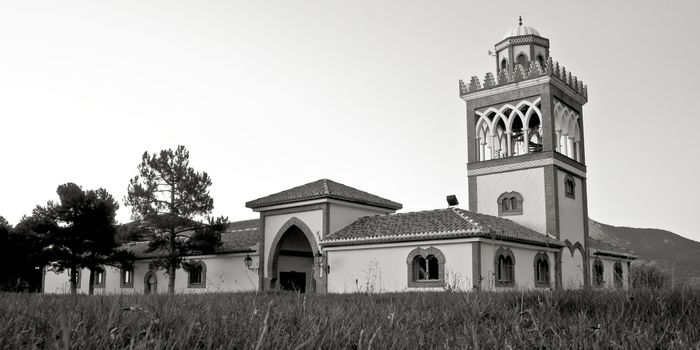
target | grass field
[{"x": 558, "y": 319}]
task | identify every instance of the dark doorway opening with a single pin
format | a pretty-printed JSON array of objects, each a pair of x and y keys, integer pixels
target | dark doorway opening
[{"x": 294, "y": 281}]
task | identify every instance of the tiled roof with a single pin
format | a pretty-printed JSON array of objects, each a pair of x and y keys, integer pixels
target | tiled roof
[
  {"x": 607, "y": 248},
  {"x": 239, "y": 237},
  {"x": 434, "y": 224},
  {"x": 323, "y": 188}
]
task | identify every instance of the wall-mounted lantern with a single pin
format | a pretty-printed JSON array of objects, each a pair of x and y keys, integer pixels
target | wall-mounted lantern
[{"x": 248, "y": 261}]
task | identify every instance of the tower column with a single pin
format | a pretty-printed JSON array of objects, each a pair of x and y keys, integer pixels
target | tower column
[
  {"x": 577, "y": 150},
  {"x": 482, "y": 154},
  {"x": 558, "y": 143},
  {"x": 570, "y": 147},
  {"x": 526, "y": 140},
  {"x": 564, "y": 146},
  {"x": 508, "y": 143}
]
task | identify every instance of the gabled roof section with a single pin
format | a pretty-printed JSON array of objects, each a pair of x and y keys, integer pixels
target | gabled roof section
[
  {"x": 239, "y": 237},
  {"x": 323, "y": 188},
  {"x": 600, "y": 247},
  {"x": 436, "y": 224}
]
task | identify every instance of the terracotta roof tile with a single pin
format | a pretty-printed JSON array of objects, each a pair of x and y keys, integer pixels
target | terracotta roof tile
[
  {"x": 607, "y": 248},
  {"x": 323, "y": 188},
  {"x": 434, "y": 224},
  {"x": 239, "y": 237}
]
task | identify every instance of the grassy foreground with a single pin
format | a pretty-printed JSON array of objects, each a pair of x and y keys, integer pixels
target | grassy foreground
[{"x": 558, "y": 319}]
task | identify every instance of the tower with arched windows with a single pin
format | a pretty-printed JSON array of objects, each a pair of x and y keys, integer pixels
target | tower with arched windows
[{"x": 525, "y": 146}]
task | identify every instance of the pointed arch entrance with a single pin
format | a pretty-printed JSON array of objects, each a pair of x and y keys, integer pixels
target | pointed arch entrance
[{"x": 291, "y": 260}]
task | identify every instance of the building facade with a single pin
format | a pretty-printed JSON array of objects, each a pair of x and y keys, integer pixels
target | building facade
[{"x": 526, "y": 227}]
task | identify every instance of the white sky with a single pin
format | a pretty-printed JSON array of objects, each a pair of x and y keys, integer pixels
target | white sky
[{"x": 268, "y": 95}]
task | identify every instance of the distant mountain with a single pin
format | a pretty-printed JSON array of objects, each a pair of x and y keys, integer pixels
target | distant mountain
[{"x": 672, "y": 253}]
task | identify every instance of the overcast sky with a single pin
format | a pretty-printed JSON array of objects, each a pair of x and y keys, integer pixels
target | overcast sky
[{"x": 268, "y": 95}]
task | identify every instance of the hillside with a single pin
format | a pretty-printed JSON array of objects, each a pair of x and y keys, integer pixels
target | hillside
[{"x": 669, "y": 251}]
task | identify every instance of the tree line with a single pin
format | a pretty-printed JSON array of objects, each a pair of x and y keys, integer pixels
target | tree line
[{"x": 170, "y": 208}]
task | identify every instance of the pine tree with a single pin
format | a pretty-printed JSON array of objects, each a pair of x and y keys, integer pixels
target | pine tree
[{"x": 172, "y": 202}]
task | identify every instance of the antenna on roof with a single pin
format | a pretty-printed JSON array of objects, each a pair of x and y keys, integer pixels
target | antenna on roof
[
  {"x": 452, "y": 200},
  {"x": 520, "y": 20}
]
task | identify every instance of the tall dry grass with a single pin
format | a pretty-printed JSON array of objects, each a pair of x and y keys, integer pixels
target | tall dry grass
[{"x": 552, "y": 319}]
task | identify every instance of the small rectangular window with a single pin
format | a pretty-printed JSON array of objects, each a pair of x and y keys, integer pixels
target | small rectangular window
[{"x": 127, "y": 278}]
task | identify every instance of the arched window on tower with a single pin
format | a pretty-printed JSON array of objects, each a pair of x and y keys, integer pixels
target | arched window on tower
[
  {"x": 504, "y": 64},
  {"x": 540, "y": 59},
  {"x": 569, "y": 186},
  {"x": 510, "y": 203},
  {"x": 522, "y": 60}
]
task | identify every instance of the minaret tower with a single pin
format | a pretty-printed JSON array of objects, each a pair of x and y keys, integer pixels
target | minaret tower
[{"x": 525, "y": 146}]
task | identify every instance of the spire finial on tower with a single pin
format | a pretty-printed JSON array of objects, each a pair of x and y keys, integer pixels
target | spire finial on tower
[{"x": 520, "y": 20}]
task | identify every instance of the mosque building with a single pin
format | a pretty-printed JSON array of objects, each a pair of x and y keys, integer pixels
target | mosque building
[{"x": 526, "y": 227}]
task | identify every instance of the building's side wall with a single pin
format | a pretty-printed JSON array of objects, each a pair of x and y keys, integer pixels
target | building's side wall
[
  {"x": 528, "y": 182},
  {"x": 524, "y": 266},
  {"x": 225, "y": 273},
  {"x": 384, "y": 269},
  {"x": 342, "y": 215}
]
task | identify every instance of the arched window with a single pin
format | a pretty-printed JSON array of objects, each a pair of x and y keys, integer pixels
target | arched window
[
  {"x": 522, "y": 60},
  {"x": 510, "y": 203},
  {"x": 504, "y": 267},
  {"x": 197, "y": 274},
  {"x": 426, "y": 268},
  {"x": 150, "y": 283},
  {"x": 541, "y": 270},
  {"x": 99, "y": 277},
  {"x": 569, "y": 186},
  {"x": 617, "y": 269},
  {"x": 504, "y": 64},
  {"x": 598, "y": 279}
]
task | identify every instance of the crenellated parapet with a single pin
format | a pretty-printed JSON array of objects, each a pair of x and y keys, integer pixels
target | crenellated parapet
[{"x": 520, "y": 73}]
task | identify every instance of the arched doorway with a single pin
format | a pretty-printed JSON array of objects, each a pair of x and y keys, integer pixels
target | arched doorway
[
  {"x": 150, "y": 283},
  {"x": 292, "y": 261}
]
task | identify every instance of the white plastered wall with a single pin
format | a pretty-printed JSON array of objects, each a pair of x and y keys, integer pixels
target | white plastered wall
[
  {"x": 524, "y": 265},
  {"x": 572, "y": 269},
  {"x": 225, "y": 273},
  {"x": 342, "y": 214},
  {"x": 528, "y": 182},
  {"x": 383, "y": 268}
]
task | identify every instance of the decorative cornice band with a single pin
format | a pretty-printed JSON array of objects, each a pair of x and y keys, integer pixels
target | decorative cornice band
[
  {"x": 523, "y": 39},
  {"x": 510, "y": 167}
]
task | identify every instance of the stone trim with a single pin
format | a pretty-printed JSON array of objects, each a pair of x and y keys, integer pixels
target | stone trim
[
  {"x": 541, "y": 256},
  {"x": 122, "y": 283},
  {"x": 512, "y": 211},
  {"x": 413, "y": 282},
  {"x": 476, "y": 265},
  {"x": 203, "y": 282},
  {"x": 504, "y": 282}
]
